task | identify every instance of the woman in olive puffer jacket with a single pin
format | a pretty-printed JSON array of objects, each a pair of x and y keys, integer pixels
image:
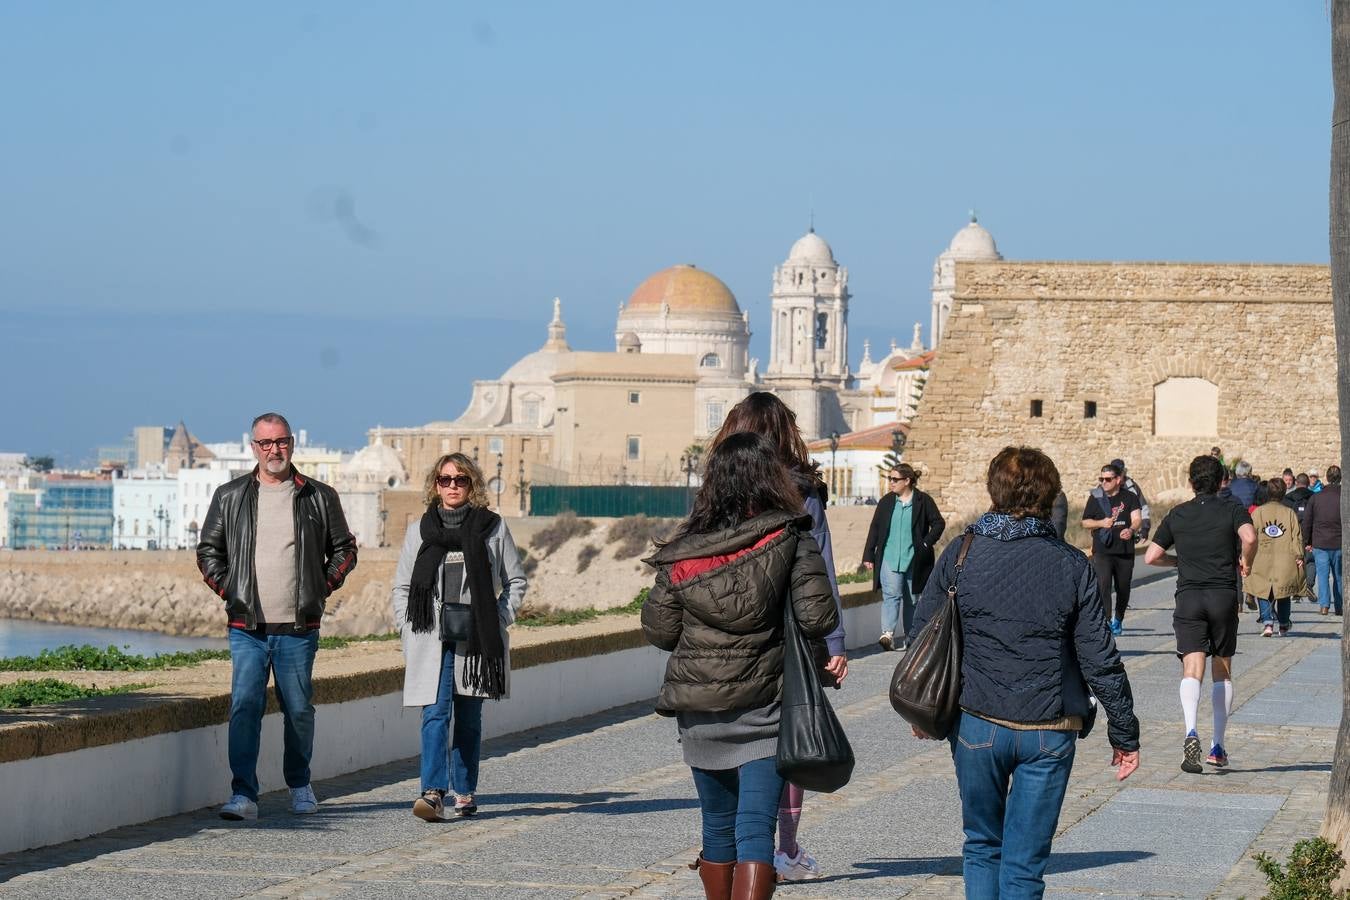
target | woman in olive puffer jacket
[{"x": 717, "y": 605}]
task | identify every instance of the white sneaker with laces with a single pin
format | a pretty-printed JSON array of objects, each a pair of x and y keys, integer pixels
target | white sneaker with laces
[
  {"x": 802, "y": 867},
  {"x": 239, "y": 808},
  {"x": 303, "y": 801}
]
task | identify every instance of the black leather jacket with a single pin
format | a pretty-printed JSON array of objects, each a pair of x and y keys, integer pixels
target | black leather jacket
[{"x": 325, "y": 550}]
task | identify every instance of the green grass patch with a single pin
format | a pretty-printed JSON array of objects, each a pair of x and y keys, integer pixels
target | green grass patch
[
  {"x": 539, "y": 617},
  {"x": 88, "y": 658},
  {"x": 854, "y": 577},
  {"x": 45, "y": 691}
]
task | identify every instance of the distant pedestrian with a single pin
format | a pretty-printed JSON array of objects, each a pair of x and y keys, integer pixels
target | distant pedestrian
[
  {"x": 1214, "y": 539},
  {"x": 1113, "y": 516},
  {"x": 1243, "y": 485},
  {"x": 1034, "y": 651},
  {"x": 764, "y": 413},
  {"x": 1314, "y": 481},
  {"x": 1277, "y": 569},
  {"x": 899, "y": 550},
  {"x": 1322, "y": 531},
  {"x": 1288, "y": 477},
  {"x": 460, "y": 556},
  {"x": 718, "y": 607},
  {"x": 274, "y": 546}
]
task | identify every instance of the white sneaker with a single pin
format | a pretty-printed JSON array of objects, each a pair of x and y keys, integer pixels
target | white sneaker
[
  {"x": 801, "y": 868},
  {"x": 239, "y": 808},
  {"x": 303, "y": 801}
]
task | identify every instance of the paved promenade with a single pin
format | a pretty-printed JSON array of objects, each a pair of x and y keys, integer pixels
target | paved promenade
[{"x": 603, "y": 807}]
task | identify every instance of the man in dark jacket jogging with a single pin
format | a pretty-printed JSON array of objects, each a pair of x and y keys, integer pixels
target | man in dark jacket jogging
[{"x": 274, "y": 546}]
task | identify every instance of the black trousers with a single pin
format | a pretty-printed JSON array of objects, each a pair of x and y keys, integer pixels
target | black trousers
[{"x": 1118, "y": 570}]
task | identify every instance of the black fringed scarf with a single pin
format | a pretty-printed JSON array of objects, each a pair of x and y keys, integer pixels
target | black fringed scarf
[{"x": 485, "y": 655}]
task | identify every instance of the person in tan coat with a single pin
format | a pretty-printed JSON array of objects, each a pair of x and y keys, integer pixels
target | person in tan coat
[{"x": 1277, "y": 570}]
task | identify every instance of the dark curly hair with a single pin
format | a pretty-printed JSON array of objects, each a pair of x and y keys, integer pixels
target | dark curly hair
[{"x": 744, "y": 476}]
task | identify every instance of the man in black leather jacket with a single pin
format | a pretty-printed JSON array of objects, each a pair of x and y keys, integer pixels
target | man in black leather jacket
[{"x": 274, "y": 546}]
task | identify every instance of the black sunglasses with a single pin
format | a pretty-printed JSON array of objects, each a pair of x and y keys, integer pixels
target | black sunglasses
[
  {"x": 461, "y": 481},
  {"x": 896, "y": 478}
]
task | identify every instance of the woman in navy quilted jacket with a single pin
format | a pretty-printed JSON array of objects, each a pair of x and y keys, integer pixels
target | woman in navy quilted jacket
[{"x": 1035, "y": 644}]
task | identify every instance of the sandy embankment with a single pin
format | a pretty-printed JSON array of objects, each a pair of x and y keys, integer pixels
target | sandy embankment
[{"x": 162, "y": 591}]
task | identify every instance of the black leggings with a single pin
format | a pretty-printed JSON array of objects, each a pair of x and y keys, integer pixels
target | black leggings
[{"x": 1118, "y": 569}]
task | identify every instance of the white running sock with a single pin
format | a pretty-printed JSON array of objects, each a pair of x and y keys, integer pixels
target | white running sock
[
  {"x": 1222, "y": 693},
  {"x": 1190, "y": 701}
]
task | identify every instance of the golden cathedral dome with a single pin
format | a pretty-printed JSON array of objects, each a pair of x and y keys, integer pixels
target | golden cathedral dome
[{"x": 685, "y": 289}]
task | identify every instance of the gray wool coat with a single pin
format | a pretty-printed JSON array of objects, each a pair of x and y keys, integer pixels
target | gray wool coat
[{"x": 422, "y": 652}]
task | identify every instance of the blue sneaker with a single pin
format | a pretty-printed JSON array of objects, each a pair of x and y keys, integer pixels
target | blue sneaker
[
  {"x": 1116, "y": 628},
  {"x": 1217, "y": 757},
  {"x": 1190, "y": 761}
]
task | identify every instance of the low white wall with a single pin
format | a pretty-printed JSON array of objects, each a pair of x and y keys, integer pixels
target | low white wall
[{"x": 73, "y": 795}]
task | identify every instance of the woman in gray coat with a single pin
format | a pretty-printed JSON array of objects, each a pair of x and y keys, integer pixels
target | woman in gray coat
[{"x": 460, "y": 552}]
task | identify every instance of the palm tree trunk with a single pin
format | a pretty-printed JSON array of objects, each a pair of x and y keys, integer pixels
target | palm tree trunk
[{"x": 1336, "y": 828}]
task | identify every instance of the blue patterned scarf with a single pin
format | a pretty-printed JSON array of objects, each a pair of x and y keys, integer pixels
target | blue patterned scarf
[{"x": 1007, "y": 528}]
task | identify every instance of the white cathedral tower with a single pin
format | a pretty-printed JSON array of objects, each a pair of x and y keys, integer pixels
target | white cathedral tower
[
  {"x": 808, "y": 343},
  {"x": 971, "y": 242}
]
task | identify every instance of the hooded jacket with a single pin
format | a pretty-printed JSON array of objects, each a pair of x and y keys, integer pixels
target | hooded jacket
[
  {"x": 1034, "y": 629},
  {"x": 717, "y": 607}
]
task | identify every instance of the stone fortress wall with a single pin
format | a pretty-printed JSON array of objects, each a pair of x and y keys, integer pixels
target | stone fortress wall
[{"x": 1177, "y": 358}]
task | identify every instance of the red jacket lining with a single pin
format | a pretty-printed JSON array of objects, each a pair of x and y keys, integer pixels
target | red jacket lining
[{"x": 687, "y": 569}]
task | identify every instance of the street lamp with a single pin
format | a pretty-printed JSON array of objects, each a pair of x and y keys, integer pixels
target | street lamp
[
  {"x": 834, "y": 449},
  {"x": 499, "y": 483},
  {"x": 163, "y": 517},
  {"x": 520, "y": 482},
  {"x": 119, "y": 532},
  {"x": 384, "y": 527},
  {"x": 688, "y": 462}
]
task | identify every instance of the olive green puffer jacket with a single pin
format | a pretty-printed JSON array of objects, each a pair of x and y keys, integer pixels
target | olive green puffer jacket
[{"x": 717, "y": 606}]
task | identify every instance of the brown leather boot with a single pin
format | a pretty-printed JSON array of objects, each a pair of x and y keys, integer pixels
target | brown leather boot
[
  {"x": 753, "y": 881},
  {"x": 716, "y": 877}
]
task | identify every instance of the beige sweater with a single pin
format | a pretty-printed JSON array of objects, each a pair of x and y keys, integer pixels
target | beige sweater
[{"x": 274, "y": 552}]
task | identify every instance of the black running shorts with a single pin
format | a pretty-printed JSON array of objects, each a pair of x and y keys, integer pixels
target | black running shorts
[{"x": 1206, "y": 621}]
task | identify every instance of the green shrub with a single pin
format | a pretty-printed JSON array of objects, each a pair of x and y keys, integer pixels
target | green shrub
[
  {"x": 45, "y": 691},
  {"x": 565, "y": 527},
  {"x": 531, "y": 616},
  {"x": 854, "y": 577},
  {"x": 1313, "y": 865},
  {"x": 88, "y": 658}
]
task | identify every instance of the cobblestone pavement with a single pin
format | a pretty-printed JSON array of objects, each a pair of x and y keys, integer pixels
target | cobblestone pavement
[{"x": 603, "y": 807}]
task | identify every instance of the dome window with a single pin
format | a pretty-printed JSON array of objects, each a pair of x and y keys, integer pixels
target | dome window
[{"x": 710, "y": 361}]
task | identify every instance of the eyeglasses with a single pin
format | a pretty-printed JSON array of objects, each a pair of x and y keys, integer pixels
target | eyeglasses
[
  {"x": 267, "y": 444},
  {"x": 459, "y": 481}
]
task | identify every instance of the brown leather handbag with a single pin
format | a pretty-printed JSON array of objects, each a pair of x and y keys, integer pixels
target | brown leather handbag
[{"x": 926, "y": 686}]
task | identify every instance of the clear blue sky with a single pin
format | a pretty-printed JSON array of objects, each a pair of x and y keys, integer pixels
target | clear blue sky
[{"x": 349, "y": 211}]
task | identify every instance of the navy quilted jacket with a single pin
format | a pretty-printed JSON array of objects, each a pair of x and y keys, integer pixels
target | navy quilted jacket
[{"x": 1035, "y": 632}]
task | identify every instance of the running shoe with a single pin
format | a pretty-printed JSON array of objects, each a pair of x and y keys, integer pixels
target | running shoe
[
  {"x": 465, "y": 805},
  {"x": 1190, "y": 762},
  {"x": 802, "y": 867},
  {"x": 1217, "y": 757},
  {"x": 887, "y": 640}
]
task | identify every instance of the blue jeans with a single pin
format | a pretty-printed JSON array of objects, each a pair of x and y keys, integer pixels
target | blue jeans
[
  {"x": 451, "y": 761},
  {"x": 1273, "y": 609},
  {"x": 1328, "y": 564},
  {"x": 1008, "y": 832},
  {"x": 290, "y": 659},
  {"x": 897, "y": 597},
  {"x": 740, "y": 811}
]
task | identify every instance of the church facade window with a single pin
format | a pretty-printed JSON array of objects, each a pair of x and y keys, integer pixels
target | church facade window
[
  {"x": 495, "y": 445},
  {"x": 715, "y": 412},
  {"x": 1089, "y": 409},
  {"x": 635, "y": 397},
  {"x": 529, "y": 411},
  {"x": 710, "y": 361},
  {"x": 1186, "y": 407},
  {"x": 634, "y": 448}
]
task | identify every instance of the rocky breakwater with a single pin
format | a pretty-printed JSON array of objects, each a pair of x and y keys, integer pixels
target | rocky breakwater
[{"x": 163, "y": 591}]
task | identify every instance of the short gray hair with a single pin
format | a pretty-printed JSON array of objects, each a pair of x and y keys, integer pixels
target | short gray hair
[
  {"x": 1242, "y": 469},
  {"x": 278, "y": 418}
]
